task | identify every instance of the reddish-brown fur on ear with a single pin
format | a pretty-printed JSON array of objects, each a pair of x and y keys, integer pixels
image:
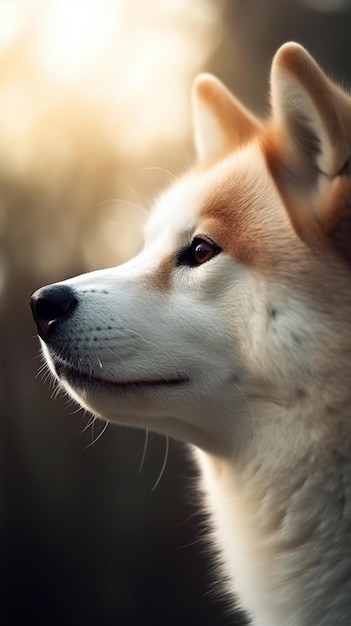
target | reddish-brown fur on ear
[
  {"x": 338, "y": 210},
  {"x": 222, "y": 124},
  {"x": 333, "y": 220},
  {"x": 293, "y": 62},
  {"x": 307, "y": 145},
  {"x": 237, "y": 123},
  {"x": 302, "y": 219}
]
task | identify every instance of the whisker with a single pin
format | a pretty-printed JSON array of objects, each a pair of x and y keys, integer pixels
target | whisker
[
  {"x": 163, "y": 466},
  {"x": 90, "y": 422},
  {"x": 139, "y": 204},
  {"x": 159, "y": 169},
  {"x": 122, "y": 201},
  {"x": 98, "y": 437},
  {"x": 77, "y": 410},
  {"x": 151, "y": 343},
  {"x": 130, "y": 203},
  {"x": 144, "y": 451}
]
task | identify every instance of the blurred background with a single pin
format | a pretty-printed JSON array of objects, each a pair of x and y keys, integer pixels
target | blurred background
[{"x": 94, "y": 121}]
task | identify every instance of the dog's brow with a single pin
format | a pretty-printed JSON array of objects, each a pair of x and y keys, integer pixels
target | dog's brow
[{"x": 234, "y": 214}]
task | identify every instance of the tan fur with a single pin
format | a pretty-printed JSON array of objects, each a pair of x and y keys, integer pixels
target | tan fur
[
  {"x": 319, "y": 203},
  {"x": 240, "y": 220},
  {"x": 161, "y": 278},
  {"x": 245, "y": 356},
  {"x": 235, "y": 125}
]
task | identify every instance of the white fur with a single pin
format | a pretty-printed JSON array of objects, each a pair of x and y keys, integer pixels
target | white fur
[{"x": 267, "y": 405}]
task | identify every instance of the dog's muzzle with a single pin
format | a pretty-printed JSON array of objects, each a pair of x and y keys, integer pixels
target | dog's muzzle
[{"x": 51, "y": 305}]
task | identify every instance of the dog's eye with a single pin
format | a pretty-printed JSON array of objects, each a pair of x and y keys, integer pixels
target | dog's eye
[{"x": 199, "y": 252}]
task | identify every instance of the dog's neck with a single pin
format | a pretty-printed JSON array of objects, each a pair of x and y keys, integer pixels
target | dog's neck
[{"x": 281, "y": 513}]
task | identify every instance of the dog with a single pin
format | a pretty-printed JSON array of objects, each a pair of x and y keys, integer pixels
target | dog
[{"x": 231, "y": 330}]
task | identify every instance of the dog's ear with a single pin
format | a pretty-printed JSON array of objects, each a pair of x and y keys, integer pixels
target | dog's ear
[
  {"x": 308, "y": 144},
  {"x": 221, "y": 122}
]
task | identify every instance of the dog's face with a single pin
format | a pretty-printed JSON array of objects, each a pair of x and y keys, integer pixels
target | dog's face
[
  {"x": 151, "y": 343},
  {"x": 226, "y": 304}
]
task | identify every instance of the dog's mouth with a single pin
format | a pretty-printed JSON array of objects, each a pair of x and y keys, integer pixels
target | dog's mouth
[{"x": 83, "y": 381}]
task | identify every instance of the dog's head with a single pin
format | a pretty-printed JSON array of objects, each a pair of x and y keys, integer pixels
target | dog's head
[{"x": 241, "y": 294}]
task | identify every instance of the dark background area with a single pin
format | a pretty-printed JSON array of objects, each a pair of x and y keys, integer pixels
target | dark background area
[{"x": 85, "y": 536}]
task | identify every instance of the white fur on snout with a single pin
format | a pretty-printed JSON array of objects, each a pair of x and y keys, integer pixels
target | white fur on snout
[{"x": 255, "y": 343}]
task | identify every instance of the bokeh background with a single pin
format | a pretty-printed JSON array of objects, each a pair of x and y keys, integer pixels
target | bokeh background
[{"x": 94, "y": 121}]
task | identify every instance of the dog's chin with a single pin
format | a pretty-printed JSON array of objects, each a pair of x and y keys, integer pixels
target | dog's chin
[
  {"x": 143, "y": 403},
  {"x": 86, "y": 384}
]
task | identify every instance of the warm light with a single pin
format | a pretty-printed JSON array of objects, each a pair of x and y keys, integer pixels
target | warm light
[
  {"x": 137, "y": 56},
  {"x": 89, "y": 90},
  {"x": 12, "y": 18},
  {"x": 73, "y": 37},
  {"x": 134, "y": 59}
]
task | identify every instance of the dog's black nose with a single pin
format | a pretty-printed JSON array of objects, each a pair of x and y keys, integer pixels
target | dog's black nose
[{"x": 51, "y": 304}]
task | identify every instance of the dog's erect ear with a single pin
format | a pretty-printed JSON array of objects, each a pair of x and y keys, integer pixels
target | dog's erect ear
[
  {"x": 221, "y": 123},
  {"x": 308, "y": 144}
]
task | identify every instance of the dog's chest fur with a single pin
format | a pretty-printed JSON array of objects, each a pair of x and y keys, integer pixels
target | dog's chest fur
[{"x": 283, "y": 531}]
